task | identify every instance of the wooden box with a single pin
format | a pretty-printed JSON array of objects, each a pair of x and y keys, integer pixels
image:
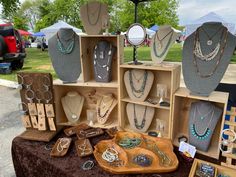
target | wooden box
[
  {"x": 181, "y": 105},
  {"x": 169, "y": 76},
  {"x": 86, "y": 85},
  {"x": 218, "y": 169}
]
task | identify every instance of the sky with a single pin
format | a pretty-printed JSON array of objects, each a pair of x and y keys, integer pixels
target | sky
[{"x": 190, "y": 10}]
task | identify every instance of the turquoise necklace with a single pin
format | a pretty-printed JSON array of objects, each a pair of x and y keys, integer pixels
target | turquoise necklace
[
  {"x": 129, "y": 143},
  {"x": 160, "y": 44},
  {"x": 206, "y": 133},
  {"x": 63, "y": 49}
]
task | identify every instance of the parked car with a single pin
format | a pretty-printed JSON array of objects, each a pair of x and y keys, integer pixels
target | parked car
[{"x": 12, "y": 48}]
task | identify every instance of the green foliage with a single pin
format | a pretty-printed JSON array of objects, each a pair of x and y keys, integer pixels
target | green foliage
[
  {"x": 9, "y": 6},
  {"x": 20, "y": 22}
]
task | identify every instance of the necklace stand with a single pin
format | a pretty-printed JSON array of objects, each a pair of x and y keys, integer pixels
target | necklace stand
[
  {"x": 204, "y": 115},
  {"x": 92, "y": 15},
  {"x": 203, "y": 86},
  {"x": 161, "y": 42},
  {"x": 137, "y": 82},
  {"x": 141, "y": 116},
  {"x": 102, "y": 57},
  {"x": 66, "y": 66},
  {"x": 105, "y": 105},
  {"x": 72, "y": 104}
]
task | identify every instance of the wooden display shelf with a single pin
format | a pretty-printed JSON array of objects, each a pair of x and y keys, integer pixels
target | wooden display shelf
[
  {"x": 144, "y": 103},
  {"x": 181, "y": 106},
  {"x": 169, "y": 76},
  {"x": 91, "y": 83},
  {"x": 218, "y": 169}
]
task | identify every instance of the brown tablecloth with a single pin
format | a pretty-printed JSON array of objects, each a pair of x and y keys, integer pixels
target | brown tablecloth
[{"x": 30, "y": 159}]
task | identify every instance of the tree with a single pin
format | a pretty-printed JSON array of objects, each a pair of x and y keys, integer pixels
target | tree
[
  {"x": 20, "y": 23},
  {"x": 9, "y": 6}
]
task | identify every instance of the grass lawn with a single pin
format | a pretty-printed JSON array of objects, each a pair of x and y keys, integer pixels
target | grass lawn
[{"x": 39, "y": 61}]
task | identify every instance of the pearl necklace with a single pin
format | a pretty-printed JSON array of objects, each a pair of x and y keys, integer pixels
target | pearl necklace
[
  {"x": 63, "y": 49},
  {"x": 101, "y": 117},
  {"x": 102, "y": 56}
]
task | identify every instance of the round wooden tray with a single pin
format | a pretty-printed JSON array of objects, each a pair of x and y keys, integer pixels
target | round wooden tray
[{"x": 127, "y": 155}]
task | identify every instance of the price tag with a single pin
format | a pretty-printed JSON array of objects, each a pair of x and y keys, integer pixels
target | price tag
[
  {"x": 51, "y": 124},
  {"x": 26, "y": 121},
  {"x": 185, "y": 147},
  {"x": 49, "y": 110}
]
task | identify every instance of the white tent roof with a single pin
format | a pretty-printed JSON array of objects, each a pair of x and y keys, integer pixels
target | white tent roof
[
  {"x": 210, "y": 17},
  {"x": 52, "y": 30}
]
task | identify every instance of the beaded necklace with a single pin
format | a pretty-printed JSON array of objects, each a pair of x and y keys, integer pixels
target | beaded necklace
[
  {"x": 66, "y": 49},
  {"x": 136, "y": 121},
  {"x": 93, "y": 14},
  {"x": 101, "y": 117},
  {"x": 206, "y": 133},
  {"x": 218, "y": 60},
  {"x": 156, "y": 38},
  {"x": 142, "y": 88}
]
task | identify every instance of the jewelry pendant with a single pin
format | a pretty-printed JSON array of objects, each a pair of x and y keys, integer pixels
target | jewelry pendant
[
  {"x": 107, "y": 68},
  {"x": 202, "y": 117},
  {"x": 160, "y": 46},
  {"x": 73, "y": 116},
  {"x": 209, "y": 42},
  {"x": 99, "y": 77}
]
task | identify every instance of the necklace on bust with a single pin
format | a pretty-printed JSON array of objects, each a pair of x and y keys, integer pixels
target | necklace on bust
[
  {"x": 139, "y": 126},
  {"x": 209, "y": 58},
  {"x": 141, "y": 90},
  {"x": 203, "y": 116},
  {"x": 209, "y": 41},
  {"x": 93, "y": 14},
  {"x": 158, "y": 43},
  {"x": 66, "y": 49},
  {"x": 193, "y": 128},
  {"x": 104, "y": 55},
  {"x": 72, "y": 112},
  {"x": 105, "y": 108}
]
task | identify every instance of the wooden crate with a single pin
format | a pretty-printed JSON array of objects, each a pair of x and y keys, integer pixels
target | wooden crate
[
  {"x": 218, "y": 169},
  {"x": 181, "y": 106},
  {"x": 87, "y": 84},
  {"x": 162, "y": 75},
  {"x": 232, "y": 125}
]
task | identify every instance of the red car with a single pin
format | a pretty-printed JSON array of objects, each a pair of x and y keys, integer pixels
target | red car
[{"x": 12, "y": 48}]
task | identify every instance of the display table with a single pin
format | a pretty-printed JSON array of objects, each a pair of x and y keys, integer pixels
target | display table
[{"x": 30, "y": 158}]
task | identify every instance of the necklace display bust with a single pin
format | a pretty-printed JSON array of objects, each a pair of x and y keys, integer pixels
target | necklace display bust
[
  {"x": 105, "y": 105},
  {"x": 64, "y": 51},
  {"x": 93, "y": 16},
  {"x": 102, "y": 58},
  {"x": 72, "y": 104},
  {"x": 162, "y": 41},
  {"x": 203, "y": 74},
  {"x": 139, "y": 116},
  {"x": 138, "y": 83},
  {"x": 203, "y": 118}
]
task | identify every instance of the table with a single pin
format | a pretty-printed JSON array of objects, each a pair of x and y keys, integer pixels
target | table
[{"x": 31, "y": 159}]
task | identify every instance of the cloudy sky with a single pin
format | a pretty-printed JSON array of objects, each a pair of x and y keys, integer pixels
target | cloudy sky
[{"x": 189, "y": 10}]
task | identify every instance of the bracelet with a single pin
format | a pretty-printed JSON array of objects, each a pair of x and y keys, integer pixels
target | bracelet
[
  {"x": 88, "y": 165},
  {"x": 21, "y": 107},
  {"x": 46, "y": 82},
  {"x": 110, "y": 155},
  {"x": 29, "y": 80},
  {"x": 47, "y": 96},
  {"x": 48, "y": 147},
  {"x": 27, "y": 96},
  {"x": 227, "y": 142},
  {"x": 142, "y": 160},
  {"x": 63, "y": 144},
  {"x": 38, "y": 96}
]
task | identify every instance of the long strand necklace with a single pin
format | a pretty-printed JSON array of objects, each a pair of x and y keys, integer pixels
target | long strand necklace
[
  {"x": 102, "y": 56},
  {"x": 202, "y": 117},
  {"x": 209, "y": 41},
  {"x": 157, "y": 39},
  {"x": 218, "y": 60},
  {"x": 73, "y": 114},
  {"x": 206, "y": 133},
  {"x": 66, "y": 49},
  {"x": 102, "y": 116},
  {"x": 143, "y": 120},
  {"x": 93, "y": 14},
  {"x": 139, "y": 91}
]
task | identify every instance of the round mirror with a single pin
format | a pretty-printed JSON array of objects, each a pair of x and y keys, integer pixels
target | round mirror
[{"x": 136, "y": 34}]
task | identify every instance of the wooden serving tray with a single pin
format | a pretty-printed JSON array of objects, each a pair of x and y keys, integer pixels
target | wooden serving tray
[
  {"x": 92, "y": 132},
  {"x": 56, "y": 153},
  {"x": 127, "y": 155},
  {"x": 83, "y": 147},
  {"x": 72, "y": 130}
]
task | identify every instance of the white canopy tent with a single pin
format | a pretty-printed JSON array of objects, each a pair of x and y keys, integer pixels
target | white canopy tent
[
  {"x": 210, "y": 17},
  {"x": 52, "y": 30}
]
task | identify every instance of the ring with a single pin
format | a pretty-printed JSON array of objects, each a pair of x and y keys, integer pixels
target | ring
[
  {"x": 27, "y": 95},
  {"x": 88, "y": 165},
  {"x": 49, "y": 94}
]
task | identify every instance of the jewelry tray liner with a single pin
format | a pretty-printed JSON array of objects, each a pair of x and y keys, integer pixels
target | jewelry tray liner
[
  {"x": 55, "y": 153},
  {"x": 127, "y": 155}
]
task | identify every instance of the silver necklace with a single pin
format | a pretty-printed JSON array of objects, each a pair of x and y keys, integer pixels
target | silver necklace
[
  {"x": 102, "y": 56},
  {"x": 73, "y": 115},
  {"x": 203, "y": 116},
  {"x": 93, "y": 14},
  {"x": 139, "y": 126}
]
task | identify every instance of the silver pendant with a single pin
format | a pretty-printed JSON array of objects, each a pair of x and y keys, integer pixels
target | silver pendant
[
  {"x": 104, "y": 66},
  {"x": 209, "y": 42},
  {"x": 99, "y": 77},
  {"x": 107, "y": 68},
  {"x": 73, "y": 116}
]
